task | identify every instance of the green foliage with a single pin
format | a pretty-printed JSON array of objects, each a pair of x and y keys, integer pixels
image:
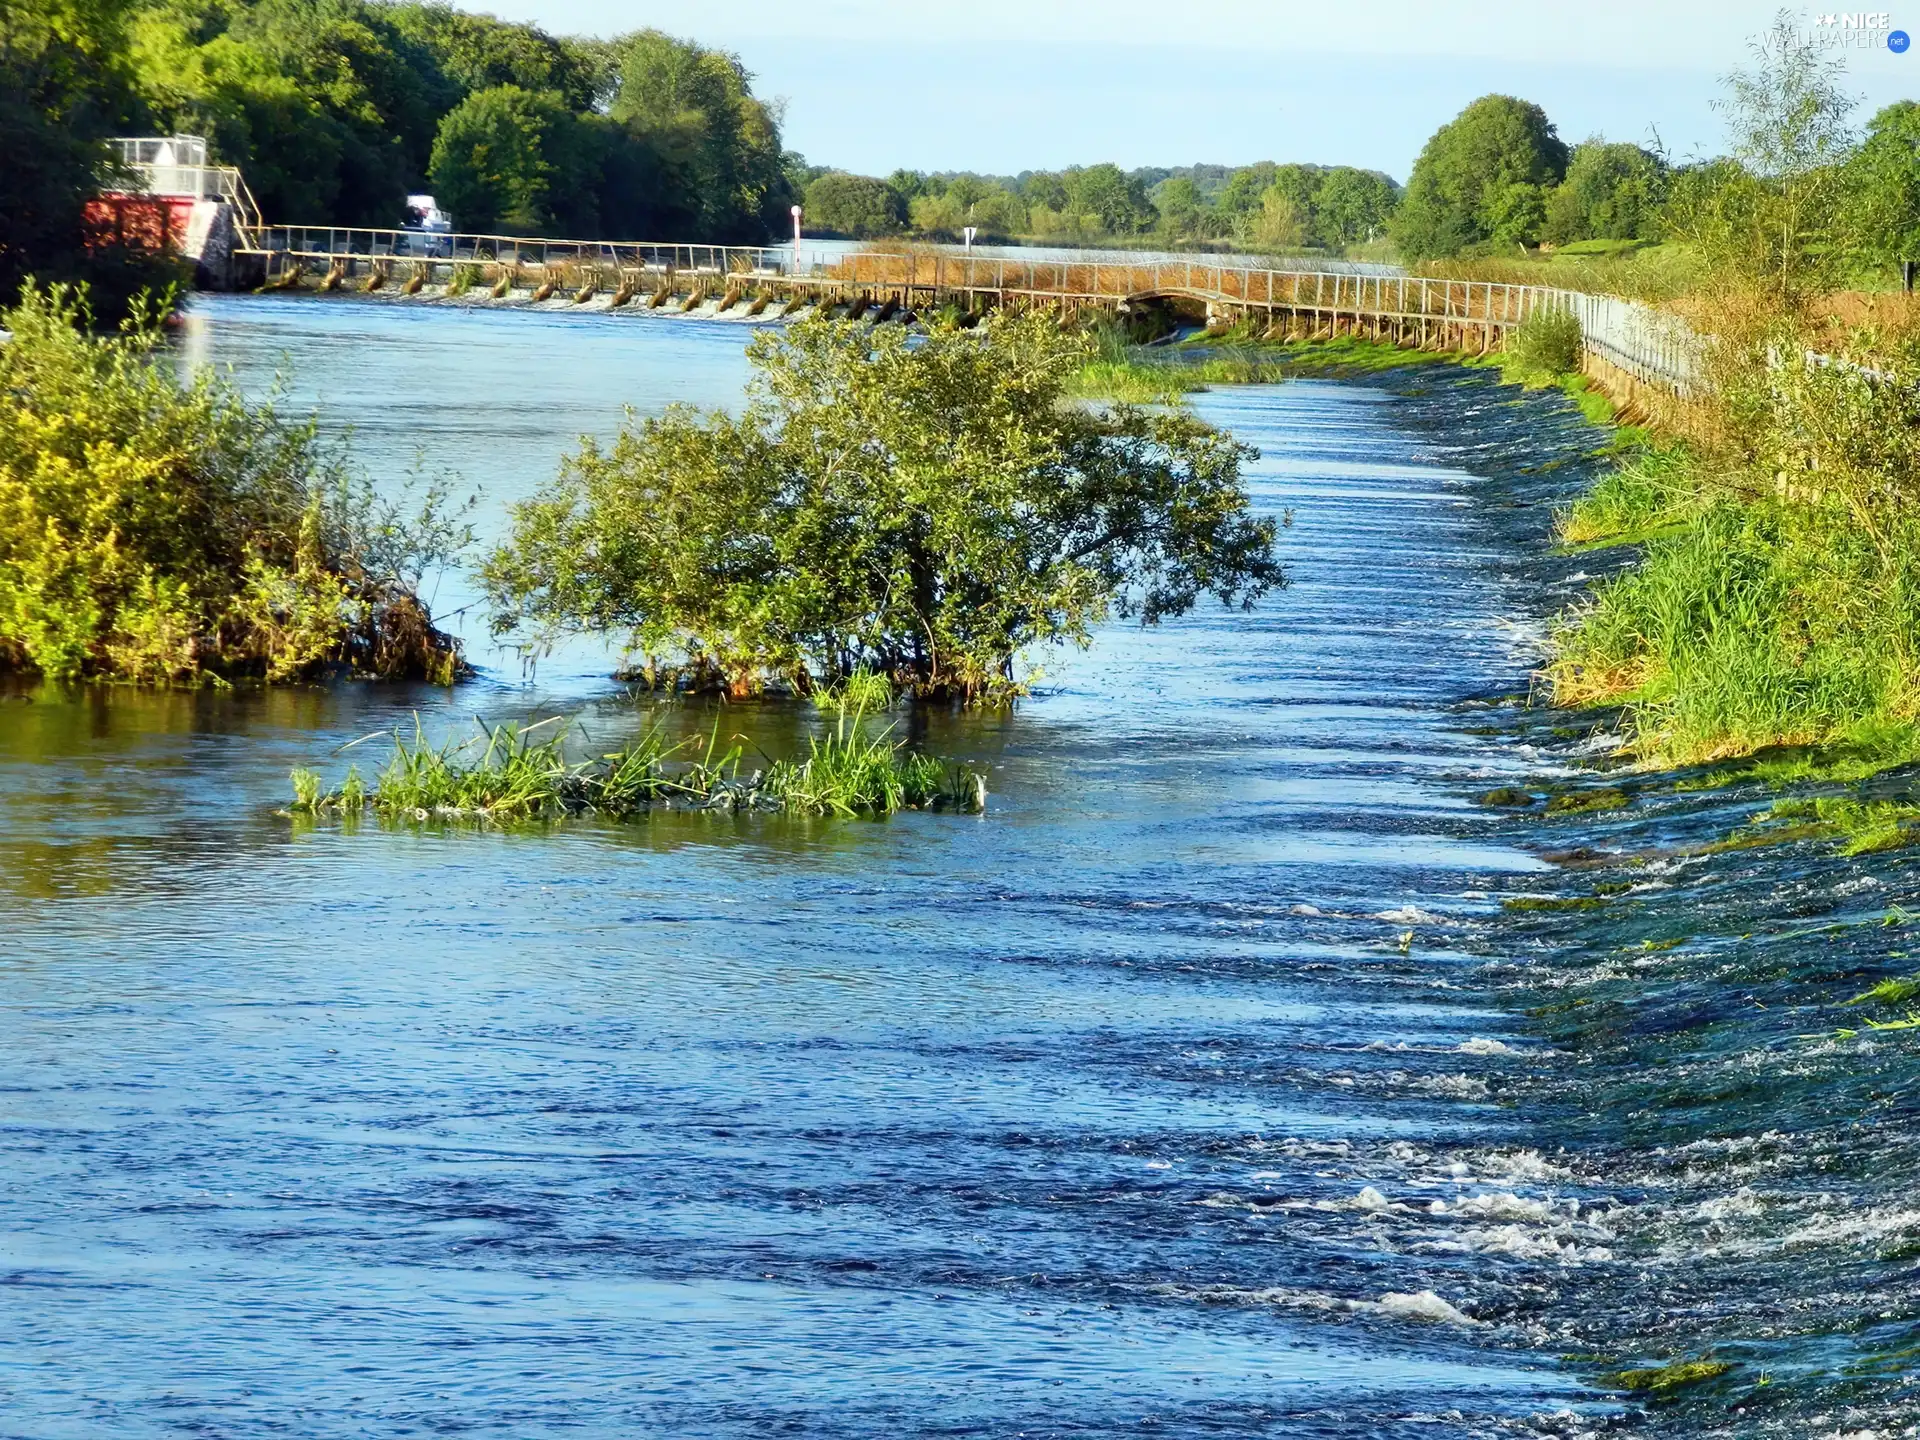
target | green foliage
[
  {"x": 1663, "y": 1379},
  {"x": 323, "y": 103},
  {"x": 335, "y": 109},
  {"x": 1116, "y": 199},
  {"x": 478, "y": 52},
  {"x": 1761, "y": 622},
  {"x": 507, "y": 159},
  {"x": 159, "y": 533},
  {"x": 925, "y": 510},
  {"x": 1768, "y": 215},
  {"x": 505, "y": 774},
  {"x": 1182, "y": 210},
  {"x": 1881, "y": 185},
  {"x": 717, "y": 147},
  {"x": 1611, "y": 192},
  {"x": 945, "y": 207},
  {"x": 1653, "y": 489},
  {"x": 66, "y": 84},
  {"x": 855, "y": 205},
  {"x": 1777, "y": 603},
  {"x": 1481, "y": 181},
  {"x": 1350, "y": 206},
  {"x": 1548, "y": 341}
]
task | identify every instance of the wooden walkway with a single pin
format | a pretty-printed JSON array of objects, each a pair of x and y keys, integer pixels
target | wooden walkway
[{"x": 1651, "y": 347}]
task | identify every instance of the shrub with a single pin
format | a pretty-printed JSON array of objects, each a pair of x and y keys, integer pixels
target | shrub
[
  {"x": 922, "y": 508},
  {"x": 1548, "y": 341},
  {"x": 160, "y": 532}
]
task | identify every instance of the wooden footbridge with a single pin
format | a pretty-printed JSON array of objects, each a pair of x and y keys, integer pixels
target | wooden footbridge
[{"x": 1648, "y": 346}]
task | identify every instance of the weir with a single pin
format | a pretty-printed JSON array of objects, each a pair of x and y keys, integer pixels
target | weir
[
  {"x": 1647, "y": 347},
  {"x": 209, "y": 215}
]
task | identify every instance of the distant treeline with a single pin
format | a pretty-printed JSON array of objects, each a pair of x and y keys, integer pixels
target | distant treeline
[
  {"x": 1265, "y": 205},
  {"x": 1495, "y": 180},
  {"x": 1498, "y": 179},
  {"x": 335, "y": 109}
]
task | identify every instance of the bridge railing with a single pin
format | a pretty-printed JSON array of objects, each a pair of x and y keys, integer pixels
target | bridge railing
[
  {"x": 329, "y": 242},
  {"x": 1648, "y": 343}
]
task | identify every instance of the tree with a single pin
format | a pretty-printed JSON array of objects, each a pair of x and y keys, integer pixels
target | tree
[
  {"x": 1882, "y": 188},
  {"x": 1241, "y": 197},
  {"x": 937, "y": 214},
  {"x": 1045, "y": 188},
  {"x": 925, "y": 510},
  {"x": 478, "y": 52},
  {"x": 716, "y": 143},
  {"x": 1296, "y": 186},
  {"x": 156, "y": 529},
  {"x": 1351, "y": 205},
  {"x": 909, "y": 184},
  {"x": 504, "y": 156},
  {"x": 856, "y": 205},
  {"x": 1770, "y": 214},
  {"x": 328, "y": 109},
  {"x": 1480, "y": 181},
  {"x": 1279, "y": 224},
  {"x": 998, "y": 211},
  {"x": 1181, "y": 209},
  {"x": 1116, "y": 199},
  {"x": 1611, "y": 192},
  {"x": 66, "y": 83}
]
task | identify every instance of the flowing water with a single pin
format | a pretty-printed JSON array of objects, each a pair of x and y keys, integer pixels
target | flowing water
[{"x": 1202, "y": 1086}]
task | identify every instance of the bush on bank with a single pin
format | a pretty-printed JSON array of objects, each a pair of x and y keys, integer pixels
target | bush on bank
[
  {"x": 922, "y": 508},
  {"x": 165, "y": 532}
]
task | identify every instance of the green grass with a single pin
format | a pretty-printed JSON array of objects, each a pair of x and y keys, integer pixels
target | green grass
[
  {"x": 1238, "y": 356},
  {"x": 1860, "y": 827},
  {"x": 1587, "y": 802},
  {"x": 1528, "y": 904},
  {"x": 1652, "y": 492},
  {"x": 1863, "y": 827},
  {"x": 1750, "y": 625},
  {"x": 511, "y": 773},
  {"x": 1890, "y": 992},
  {"x": 1663, "y": 1379}
]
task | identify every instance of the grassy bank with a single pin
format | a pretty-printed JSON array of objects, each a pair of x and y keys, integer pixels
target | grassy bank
[
  {"x": 1752, "y": 622},
  {"x": 508, "y": 773}
]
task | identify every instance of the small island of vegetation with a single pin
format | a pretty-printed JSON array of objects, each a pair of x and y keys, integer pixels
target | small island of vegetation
[{"x": 922, "y": 508}]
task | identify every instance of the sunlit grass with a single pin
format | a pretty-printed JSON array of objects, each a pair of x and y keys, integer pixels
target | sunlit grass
[{"x": 512, "y": 773}]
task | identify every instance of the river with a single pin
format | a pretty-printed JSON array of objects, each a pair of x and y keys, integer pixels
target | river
[{"x": 1202, "y": 1086}]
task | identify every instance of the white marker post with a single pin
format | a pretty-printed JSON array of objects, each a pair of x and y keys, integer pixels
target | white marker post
[
  {"x": 969, "y": 233},
  {"x": 796, "y": 239}
]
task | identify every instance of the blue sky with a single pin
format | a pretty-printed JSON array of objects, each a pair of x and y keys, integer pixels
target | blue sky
[{"x": 1004, "y": 85}]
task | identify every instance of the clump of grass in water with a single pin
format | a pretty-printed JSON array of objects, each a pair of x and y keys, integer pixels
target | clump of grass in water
[
  {"x": 1662, "y": 1379},
  {"x": 1122, "y": 371},
  {"x": 854, "y": 771},
  {"x": 516, "y": 776}
]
